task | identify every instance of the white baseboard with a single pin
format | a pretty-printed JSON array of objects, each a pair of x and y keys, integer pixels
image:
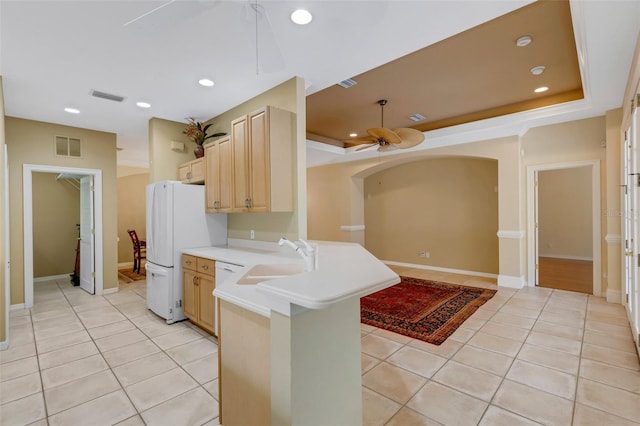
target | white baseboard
[
  {"x": 110, "y": 290},
  {"x": 4, "y": 345},
  {"x": 511, "y": 281},
  {"x": 439, "y": 269},
  {"x": 53, "y": 277},
  {"x": 614, "y": 296},
  {"x": 561, "y": 256},
  {"x": 16, "y": 307}
]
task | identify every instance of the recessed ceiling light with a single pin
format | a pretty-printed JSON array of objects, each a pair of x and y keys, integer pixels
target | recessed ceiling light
[
  {"x": 537, "y": 70},
  {"x": 72, "y": 110},
  {"x": 541, "y": 89},
  {"x": 417, "y": 117},
  {"x": 143, "y": 104},
  {"x": 206, "y": 82},
  {"x": 523, "y": 41},
  {"x": 301, "y": 16},
  {"x": 353, "y": 135}
]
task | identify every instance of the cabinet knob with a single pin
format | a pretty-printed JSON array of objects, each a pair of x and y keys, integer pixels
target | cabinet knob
[
  {"x": 195, "y": 280},
  {"x": 247, "y": 202},
  {"x": 188, "y": 175},
  {"x": 205, "y": 267}
]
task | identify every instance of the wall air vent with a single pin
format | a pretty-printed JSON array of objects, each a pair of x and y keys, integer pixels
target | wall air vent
[
  {"x": 347, "y": 83},
  {"x": 417, "y": 117},
  {"x": 107, "y": 96},
  {"x": 67, "y": 147}
]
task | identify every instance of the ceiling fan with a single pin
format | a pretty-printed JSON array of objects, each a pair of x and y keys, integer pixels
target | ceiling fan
[{"x": 387, "y": 139}]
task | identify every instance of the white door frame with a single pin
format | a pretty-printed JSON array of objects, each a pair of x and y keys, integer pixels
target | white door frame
[
  {"x": 27, "y": 185},
  {"x": 595, "y": 214}
]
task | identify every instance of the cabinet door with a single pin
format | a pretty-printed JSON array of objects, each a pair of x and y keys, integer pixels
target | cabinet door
[
  {"x": 189, "y": 294},
  {"x": 240, "y": 163},
  {"x": 259, "y": 172},
  {"x": 225, "y": 175},
  {"x": 184, "y": 171},
  {"x": 211, "y": 177},
  {"x": 197, "y": 171},
  {"x": 207, "y": 312}
]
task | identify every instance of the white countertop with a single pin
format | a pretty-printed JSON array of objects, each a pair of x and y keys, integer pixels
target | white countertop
[{"x": 344, "y": 271}]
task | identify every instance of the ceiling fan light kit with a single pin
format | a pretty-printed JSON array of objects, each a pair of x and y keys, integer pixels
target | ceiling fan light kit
[{"x": 388, "y": 139}]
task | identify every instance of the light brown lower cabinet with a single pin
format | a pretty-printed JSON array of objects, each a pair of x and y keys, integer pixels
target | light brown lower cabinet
[
  {"x": 244, "y": 366},
  {"x": 198, "y": 283}
]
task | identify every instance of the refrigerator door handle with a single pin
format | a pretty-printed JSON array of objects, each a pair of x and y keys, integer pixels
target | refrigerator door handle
[{"x": 158, "y": 271}]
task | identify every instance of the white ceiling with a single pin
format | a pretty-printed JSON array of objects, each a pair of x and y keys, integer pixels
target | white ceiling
[{"x": 52, "y": 53}]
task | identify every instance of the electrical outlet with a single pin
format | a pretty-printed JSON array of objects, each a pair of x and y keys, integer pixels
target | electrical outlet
[
  {"x": 423, "y": 254},
  {"x": 253, "y": 234}
]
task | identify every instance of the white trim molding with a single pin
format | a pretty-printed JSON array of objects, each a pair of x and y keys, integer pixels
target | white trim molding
[
  {"x": 613, "y": 239},
  {"x": 614, "y": 296},
  {"x": 511, "y": 281},
  {"x": 110, "y": 290},
  {"x": 352, "y": 228},
  {"x": 439, "y": 269},
  {"x": 52, "y": 277},
  {"x": 514, "y": 235},
  {"x": 4, "y": 345},
  {"x": 567, "y": 257},
  {"x": 16, "y": 307}
]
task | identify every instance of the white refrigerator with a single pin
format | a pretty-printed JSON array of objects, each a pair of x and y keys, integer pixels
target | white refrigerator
[{"x": 176, "y": 220}]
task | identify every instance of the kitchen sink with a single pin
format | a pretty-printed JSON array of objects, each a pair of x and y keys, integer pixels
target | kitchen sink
[{"x": 271, "y": 271}]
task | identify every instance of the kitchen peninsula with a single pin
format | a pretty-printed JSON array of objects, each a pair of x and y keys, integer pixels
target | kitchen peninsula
[{"x": 290, "y": 340}]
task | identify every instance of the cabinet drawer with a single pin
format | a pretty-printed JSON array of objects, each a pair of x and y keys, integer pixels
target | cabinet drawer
[
  {"x": 205, "y": 266},
  {"x": 189, "y": 262}
]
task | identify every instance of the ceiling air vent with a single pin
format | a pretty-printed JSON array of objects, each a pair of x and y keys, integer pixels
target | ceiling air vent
[
  {"x": 347, "y": 83},
  {"x": 107, "y": 96},
  {"x": 417, "y": 117}
]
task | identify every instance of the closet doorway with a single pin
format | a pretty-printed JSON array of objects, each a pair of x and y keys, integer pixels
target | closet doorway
[{"x": 90, "y": 186}]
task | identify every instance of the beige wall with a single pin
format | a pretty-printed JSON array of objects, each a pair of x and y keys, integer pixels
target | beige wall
[
  {"x": 567, "y": 142},
  {"x": 447, "y": 207},
  {"x": 163, "y": 162},
  {"x": 56, "y": 212},
  {"x": 131, "y": 212},
  {"x": 3, "y": 255},
  {"x": 31, "y": 142},
  {"x": 564, "y": 213},
  {"x": 268, "y": 226}
]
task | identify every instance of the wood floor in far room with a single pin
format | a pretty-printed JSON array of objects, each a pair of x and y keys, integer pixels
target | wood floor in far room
[{"x": 566, "y": 274}]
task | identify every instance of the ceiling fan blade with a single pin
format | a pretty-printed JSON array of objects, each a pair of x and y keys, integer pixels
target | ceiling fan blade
[
  {"x": 388, "y": 147},
  {"x": 263, "y": 43},
  {"x": 383, "y": 133},
  {"x": 348, "y": 143},
  {"x": 169, "y": 14},
  {"x": 410, "y": 137},
  {"x": 363, "y": 147}
]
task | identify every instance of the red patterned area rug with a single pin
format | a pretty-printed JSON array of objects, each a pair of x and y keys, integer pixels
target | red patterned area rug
[{"x": 426, "y": 310}]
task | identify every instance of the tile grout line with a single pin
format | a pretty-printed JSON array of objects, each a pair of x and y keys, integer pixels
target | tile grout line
[{"x": 166, "y": 354}]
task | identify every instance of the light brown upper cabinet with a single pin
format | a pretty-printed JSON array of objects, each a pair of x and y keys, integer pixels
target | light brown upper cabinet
[
  {"x": 218, "y": 176},
  {"x": 192, "y": 171},
  {"x": 262, "y": 143}
]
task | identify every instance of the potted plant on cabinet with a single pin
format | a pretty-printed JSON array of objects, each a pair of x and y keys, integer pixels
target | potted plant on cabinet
[{"x": 198, "y": 133}]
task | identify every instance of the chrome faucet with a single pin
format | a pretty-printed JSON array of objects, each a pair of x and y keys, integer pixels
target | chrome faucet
[{"x": 306, "y": 250}]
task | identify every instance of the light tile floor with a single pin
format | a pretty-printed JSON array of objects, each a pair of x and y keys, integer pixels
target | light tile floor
[{"x": 533, "y": 356}]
